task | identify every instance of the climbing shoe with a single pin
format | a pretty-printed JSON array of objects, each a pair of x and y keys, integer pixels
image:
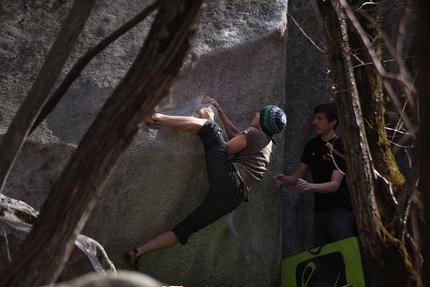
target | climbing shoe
[
  {"x": 131, "y": 259},
  {"x": 151, "y": 121}
]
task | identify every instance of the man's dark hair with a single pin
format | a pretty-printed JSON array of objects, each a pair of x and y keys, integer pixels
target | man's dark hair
[{"x": 330, "y": 111}]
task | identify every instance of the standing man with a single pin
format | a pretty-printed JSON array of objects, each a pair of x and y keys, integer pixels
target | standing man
[{"x": 333, "y": 216}]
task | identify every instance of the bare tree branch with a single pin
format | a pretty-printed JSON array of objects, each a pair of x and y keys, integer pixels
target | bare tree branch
[
  {"x": 7, "y": 243},
  {"x": 397, "y": 53},
  {"x": 304, "y": 34},
  {"x": 380, "y": 69}
]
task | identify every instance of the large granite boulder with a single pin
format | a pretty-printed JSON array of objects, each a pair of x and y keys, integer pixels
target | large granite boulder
[{"x": 162, "y": 177}]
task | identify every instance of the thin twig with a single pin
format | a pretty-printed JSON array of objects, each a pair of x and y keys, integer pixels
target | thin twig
[
  {"x": 333, "y": 151},
  {"x": 7, "y": 244},
  {"x": 365, "y": 4},
  {"x": 388, "y": 184},
  {"x": 304, "y": 34}
]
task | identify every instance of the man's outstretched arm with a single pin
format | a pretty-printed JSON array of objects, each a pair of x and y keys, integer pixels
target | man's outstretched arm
[
  {"x": 292, "y": 179},
  {"x": 325, "y": 187}
]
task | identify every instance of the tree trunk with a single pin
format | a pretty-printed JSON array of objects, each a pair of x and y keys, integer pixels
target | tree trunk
[
  {"x": 374, "y": 178},
  {"x": 75, "y": 193}
]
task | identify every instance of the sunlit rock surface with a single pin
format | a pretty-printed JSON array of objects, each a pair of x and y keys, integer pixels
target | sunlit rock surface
[{"x": 161, "y": 178}]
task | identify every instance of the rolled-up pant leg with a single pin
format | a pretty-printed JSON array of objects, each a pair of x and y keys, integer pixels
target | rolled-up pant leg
[{"x": 225, "y": 186}]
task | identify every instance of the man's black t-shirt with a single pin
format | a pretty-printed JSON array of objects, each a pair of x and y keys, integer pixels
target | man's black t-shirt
[{"x": 317, "y": 156}]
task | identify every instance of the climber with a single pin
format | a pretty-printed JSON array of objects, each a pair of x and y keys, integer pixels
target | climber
[{"x": 233, "y": 167}]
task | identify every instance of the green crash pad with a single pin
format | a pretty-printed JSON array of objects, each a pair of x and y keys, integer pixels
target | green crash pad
[{"x": 336, "y": 264}]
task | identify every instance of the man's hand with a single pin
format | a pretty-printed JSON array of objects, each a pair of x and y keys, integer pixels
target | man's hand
[
  {"x": 303, "y": 185},
  {"x": 278, "y": 179},
  {"x": 209, "y": 100},
  {"x": 206, "y": 113}
]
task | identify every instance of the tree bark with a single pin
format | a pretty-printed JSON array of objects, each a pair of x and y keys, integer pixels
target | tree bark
[
  {"x": 75, "y": 193},
  {"x": 374, "y": 178},
  {"x": 346, "y": 98}
]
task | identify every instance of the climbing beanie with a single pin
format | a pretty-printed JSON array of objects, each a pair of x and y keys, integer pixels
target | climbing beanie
[{"x": 273, "y": 120}]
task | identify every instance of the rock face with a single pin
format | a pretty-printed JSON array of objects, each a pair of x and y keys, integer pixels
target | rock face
[
  {"x": 162, "y": 177},
  {"x": 307, "y": 85},
  {"x": 17, "y": 210}
]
